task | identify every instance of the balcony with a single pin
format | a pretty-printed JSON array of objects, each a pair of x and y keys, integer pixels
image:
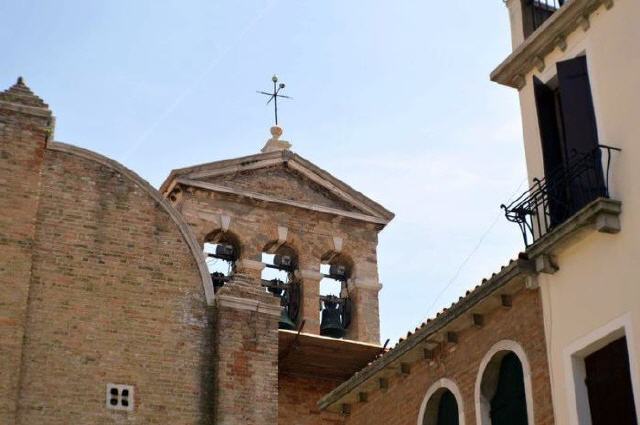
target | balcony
[
  {"x": 536, "y": 12},
  {"x": 570, "y": 198}
]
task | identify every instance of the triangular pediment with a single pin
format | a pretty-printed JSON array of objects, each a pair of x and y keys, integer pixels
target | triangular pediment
[
  {"x": 280, "y": 177},
  {"x": 281, "y": 182}
]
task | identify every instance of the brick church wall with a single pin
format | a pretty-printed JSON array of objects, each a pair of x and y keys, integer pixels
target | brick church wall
[
  {"x": 310, "y": 234},
  {"x": 23, "y": 134},
  {"x": 116, "y": 297},
  {"x": 298, "y": 397},
  {"x": 246, "y": 354},
  {"x": 400, "y": 403}
]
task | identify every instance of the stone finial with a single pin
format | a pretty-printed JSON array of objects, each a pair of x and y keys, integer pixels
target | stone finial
[
  {"x": 21, "y": 94},
  {"x": 274, "y": 143}
]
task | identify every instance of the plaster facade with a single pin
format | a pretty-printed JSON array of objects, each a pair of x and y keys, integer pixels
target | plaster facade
[{"x": 594, "y": 285}]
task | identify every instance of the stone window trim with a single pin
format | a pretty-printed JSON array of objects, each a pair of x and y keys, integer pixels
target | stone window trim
[
  {"x": 120, "y": 397},
  {"x": 482, "y": 406},
  {"x": 574, "y": 366},
  {"x": 442, "y": 383}
]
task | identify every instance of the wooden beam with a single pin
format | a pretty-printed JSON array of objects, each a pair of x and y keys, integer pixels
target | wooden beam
[{"x": 478, "y": 320}]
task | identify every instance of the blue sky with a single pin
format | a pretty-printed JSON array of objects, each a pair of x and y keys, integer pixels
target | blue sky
[{"x": 392, "y": 97}]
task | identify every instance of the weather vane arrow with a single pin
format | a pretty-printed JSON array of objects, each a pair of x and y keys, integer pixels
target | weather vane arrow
[{"x": 275, "y": 95}]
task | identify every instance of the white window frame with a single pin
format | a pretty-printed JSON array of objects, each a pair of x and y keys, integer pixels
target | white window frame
[
  {"x": 450, "y": 385},
  {"x": 119, "y": 406},
  {"x": 575, "y": 370},
  {"x": 483, "y": 407}
]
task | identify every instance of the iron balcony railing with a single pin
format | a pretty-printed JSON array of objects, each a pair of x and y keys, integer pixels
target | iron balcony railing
[
  {"x": 555, "y": 198},
  {"x": 540, "y": 10}
]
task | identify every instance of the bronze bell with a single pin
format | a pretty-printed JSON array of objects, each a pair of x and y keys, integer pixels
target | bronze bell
[
  {"x": 285, "y": 321},
  {"x": 331, "y": 323}
]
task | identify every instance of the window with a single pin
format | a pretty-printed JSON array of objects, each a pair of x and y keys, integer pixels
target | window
[
  {"x": 569, "y": 139},
  {"x": 503, "y": 387},
  {"x": 119, "y": 397},
  {"x": 335, "y": 303},
  {"x": 508, "y": 403},
  {"x": 279, "y": 278},
  {"x": 608, "y": 384},
  {"x": 221, "y": 250},
  {"x": 535, "y": 12},
  {"x": 442, "y": 405},
  {"x": 604, "y": 368}
]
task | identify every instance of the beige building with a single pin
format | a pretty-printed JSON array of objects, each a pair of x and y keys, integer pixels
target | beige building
[{"x": 576, "y": 65}]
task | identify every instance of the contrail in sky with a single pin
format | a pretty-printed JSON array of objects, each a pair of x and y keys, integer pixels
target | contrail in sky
[{"x": 215, "y": 61}]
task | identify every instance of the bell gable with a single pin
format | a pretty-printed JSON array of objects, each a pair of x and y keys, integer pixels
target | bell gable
[{"x": 280, "y": 177}]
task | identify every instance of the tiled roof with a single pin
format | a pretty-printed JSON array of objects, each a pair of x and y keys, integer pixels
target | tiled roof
[{"x": 487, "y": 287}]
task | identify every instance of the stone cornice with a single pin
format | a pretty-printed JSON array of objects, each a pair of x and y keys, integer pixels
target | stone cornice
[
  {"x": 247, "y": 304},
  {"x": 600, "y": 215},
  {"x": 267, "y": 198},
  {"x": 551, "y": 34},
  {"x": 291, "y": 160},
  {"x": 26, "y": 109},
  {"x": 360, "y": 283}
]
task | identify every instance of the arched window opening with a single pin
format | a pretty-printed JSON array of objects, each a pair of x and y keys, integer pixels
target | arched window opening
[
  {"x": 442, "y": 405},
  {"x": 509, "y": 404},
  {"x": 221, "y": 253},
  {"x": 442, "y": 409},
  {"x": 335, "y": 303},
  {"x": 278, "y": 277},
  {"x": 503, "y": 396}
]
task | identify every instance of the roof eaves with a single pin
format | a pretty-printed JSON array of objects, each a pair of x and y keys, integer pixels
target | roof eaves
[{"x": 520, "y": 266}]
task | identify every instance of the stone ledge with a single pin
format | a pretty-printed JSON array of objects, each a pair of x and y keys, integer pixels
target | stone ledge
[
  {"x": 238, "y": 303},
  {"x": 543, "y": 40},
  {"x": 601, "y": 215}
]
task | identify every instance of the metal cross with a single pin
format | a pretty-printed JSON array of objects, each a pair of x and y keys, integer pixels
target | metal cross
[{"x": 275, "y": 95}]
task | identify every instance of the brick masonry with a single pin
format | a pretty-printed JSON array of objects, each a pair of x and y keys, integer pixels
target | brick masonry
[
  {"x": 310, "y": 234},
  {"x": 400, "y": 403},
  {"x": 298, "y": 396},
  {"x": 23, "y": 134},
  {"x": 246, "y": 354},
  {"x": 98, "y": 286},
  {"x": 100, "y": 283}
]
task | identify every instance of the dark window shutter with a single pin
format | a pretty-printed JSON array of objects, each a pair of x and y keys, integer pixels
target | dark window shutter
[
  {"x": 548, "y": 124},
  {"x": 580, "y": 131},
  {"x": 552, "y": 151},
  {"x": 448, "y": 409},
  {"x": 609, "y": 385},
  {"x": 509, "y": 404},
  {"x": 579, "y": 118}
]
